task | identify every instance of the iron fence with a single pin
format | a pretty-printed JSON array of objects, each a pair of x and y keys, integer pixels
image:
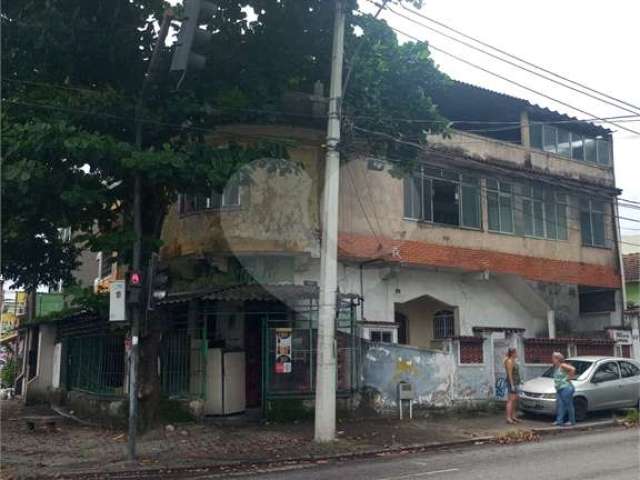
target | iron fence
[{"x": 96, "y": 363}]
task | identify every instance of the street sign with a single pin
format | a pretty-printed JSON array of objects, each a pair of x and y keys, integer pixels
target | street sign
[
  {"x": 117, "y": 301},
  {"x": 623, "y": 337}
]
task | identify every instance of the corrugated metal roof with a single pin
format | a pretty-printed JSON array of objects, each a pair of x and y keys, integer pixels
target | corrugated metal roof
[
  {"x": 464, "y": 101},
  {"x": 263, "y": 293}
]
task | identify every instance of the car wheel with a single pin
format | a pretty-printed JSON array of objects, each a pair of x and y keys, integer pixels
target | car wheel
[{"x": 580, "y": 405}]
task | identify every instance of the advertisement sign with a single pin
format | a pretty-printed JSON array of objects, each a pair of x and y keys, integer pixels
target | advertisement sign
[
  {"x": 283, "y": 350},
  {"x": 623, "y": 337}
]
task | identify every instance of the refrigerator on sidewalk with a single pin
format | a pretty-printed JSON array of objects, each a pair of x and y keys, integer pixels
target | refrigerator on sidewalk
[{"x": 225, "y": 382}]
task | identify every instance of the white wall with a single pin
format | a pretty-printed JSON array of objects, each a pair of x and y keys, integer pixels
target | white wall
[
  {"x": 481, "y": 303},
  {"x": 42, "y": 382}
]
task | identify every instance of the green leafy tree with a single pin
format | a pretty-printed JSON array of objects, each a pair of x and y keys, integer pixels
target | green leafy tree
[{"x": 72, "y": 74}]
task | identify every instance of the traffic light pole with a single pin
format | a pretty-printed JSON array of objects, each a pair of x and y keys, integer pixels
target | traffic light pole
[
  {"x": 136, "y": 263},
  {"x": 325, "y": 408}
]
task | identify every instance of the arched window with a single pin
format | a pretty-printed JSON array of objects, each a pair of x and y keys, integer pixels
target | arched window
[{"x": 443, "y": 324}]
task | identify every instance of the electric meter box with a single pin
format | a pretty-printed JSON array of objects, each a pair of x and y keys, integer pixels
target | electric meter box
[
  {"x": 405, "y": 391},
  {"x": 117, "y": 301}
]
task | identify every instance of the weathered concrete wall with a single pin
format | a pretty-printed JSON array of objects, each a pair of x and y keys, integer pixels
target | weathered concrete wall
[
  {"x": 430, "y": 372},
  {"x": 491, "y": 149},
  {"x": 39, "y": 387},
  {"x": 374, "y": 200},
  {"x": 278, "y": 212}
]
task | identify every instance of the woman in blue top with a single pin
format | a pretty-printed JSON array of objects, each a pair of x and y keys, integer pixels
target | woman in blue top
[{"x": 563, "y": 373}]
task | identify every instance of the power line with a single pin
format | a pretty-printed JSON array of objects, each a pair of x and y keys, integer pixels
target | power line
[
  {"x": 516, "y": 124},
  {"x": 531, "y": 64},
  {"x": 506, "y": 79},
  {"x": 202, "y": 129},
  {"x": 497, "y": 57}
]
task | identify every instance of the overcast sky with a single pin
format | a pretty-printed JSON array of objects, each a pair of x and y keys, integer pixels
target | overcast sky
[{"x": 589, "y": 41}]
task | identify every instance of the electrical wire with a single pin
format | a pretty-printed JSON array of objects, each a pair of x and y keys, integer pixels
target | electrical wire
[
  {"x": 497, "y": 57},
  {"x": 195, "y": 128},
  {"x": 516, "y": 124},
  {"x": 506, "y": 79},
  {"x": 515, "y": 57}
]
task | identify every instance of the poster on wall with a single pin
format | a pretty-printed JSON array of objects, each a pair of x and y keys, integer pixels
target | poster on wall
[{"x": 283, "y": 350}]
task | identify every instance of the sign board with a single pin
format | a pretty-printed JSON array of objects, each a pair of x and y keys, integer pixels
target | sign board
[
  {"x": 283, "y": 350},
  {"x": 117, "y": 301},
  {"x": 623, "y": 337}
]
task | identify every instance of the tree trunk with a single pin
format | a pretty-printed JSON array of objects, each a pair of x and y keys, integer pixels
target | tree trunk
[{"x": 149, "y": 393}]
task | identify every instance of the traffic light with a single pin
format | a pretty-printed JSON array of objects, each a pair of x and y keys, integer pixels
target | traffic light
[
  {"x": 133, "y": 287},
  {"x": 158, "y": 281},
  {"x": 191, "y": 37}
]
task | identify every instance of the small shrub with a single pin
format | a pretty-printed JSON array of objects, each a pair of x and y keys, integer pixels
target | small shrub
[
  {"x": 287, "y": 410},
  {"x": 173, "y": 411},
  {"x": 632, "y": 418},
  {"x": 8, "y": 373}
]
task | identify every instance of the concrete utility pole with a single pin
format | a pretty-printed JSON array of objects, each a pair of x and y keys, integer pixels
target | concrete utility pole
[
  {"x": 136, "y": 263},
  {"x": 325, "y": 418}
]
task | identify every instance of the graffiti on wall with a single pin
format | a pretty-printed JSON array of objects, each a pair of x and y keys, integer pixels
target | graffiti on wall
[{"x": 501, "y": 387}]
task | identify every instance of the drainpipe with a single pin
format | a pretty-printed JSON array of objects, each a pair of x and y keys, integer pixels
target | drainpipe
[
  {"x": 551, "y": 323},
  {"x": 617, "y": 235}
]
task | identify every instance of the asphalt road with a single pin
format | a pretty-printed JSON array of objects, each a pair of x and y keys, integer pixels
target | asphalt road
[{"x": 600, "y": 455}]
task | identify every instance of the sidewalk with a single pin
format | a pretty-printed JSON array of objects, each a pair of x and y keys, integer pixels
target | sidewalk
[{"x": 77, "y": 448}]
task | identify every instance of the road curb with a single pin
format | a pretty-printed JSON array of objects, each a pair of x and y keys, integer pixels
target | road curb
[{"x": 260, "y": 466}]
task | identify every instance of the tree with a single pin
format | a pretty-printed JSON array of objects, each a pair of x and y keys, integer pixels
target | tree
[{"x": 72, "y": 76}]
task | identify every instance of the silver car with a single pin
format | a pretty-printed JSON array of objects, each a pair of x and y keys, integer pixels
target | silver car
[{"x": 602, "y": 383}]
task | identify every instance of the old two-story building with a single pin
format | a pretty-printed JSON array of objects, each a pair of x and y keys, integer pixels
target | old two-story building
[{"x": 507, "y": 227}]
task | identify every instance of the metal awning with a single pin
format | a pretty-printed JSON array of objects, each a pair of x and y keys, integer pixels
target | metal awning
[{"x": 262, "y": 293}]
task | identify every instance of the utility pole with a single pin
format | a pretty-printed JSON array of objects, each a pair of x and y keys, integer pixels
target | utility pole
[
  {"x": 136, "y": 264},
  {"x": 325, "y": 408}
]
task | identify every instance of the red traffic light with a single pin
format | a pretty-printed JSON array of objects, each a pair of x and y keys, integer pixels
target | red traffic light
[{"x": 135, "y": 279}]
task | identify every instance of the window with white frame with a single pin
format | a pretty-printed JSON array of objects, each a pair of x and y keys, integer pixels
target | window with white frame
[
  {"x": 570, "y": 144},
  {"x": 443, "y": 324},
  {"x": 500, "y": 206},
  {"x": 437, "y": 195},
  {"x": 385, "y": 336},
  {"x": 592, "y": 214},
  {"x": 544, "y": 212},
  {"x": 229, "y": 198}
]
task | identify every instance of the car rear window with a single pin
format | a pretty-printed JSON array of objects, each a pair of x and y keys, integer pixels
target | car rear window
[{"x": 580, "y": 365}]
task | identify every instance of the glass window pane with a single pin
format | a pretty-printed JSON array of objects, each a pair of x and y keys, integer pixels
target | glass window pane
[
  {"x": 577, "y": 152},
  {"x": 603, "y": 152},
  {"x": 506, "y": 215},
  {"x": 412, "y": 203},
  {"x": 590, "y": 150},
  {"x": 535, "y": 131},
  {"x": 215, "y": 200},
  {"x": 471, "y": 179},
  {"x": 597, "y": 220},
  {"x": 427, "y": 201},
  {"x": 505, "y": 187},
  {"x": 564, "y": 143},
  {"x": 562, "y": 222},
  {"x": 551, "y": 220},
  {"x": 470, "y": 206},
  {"x": 494, "y": 211},
  {"x": 231, "y": 195},
  {"x": 446, "y": 208},
  {"x": 585, "y": 227},
  {"x": 492, "y": 184},
  {"x": 538, "y": 192},
  {"x": 527, "y": 207},
  {"x": 549, "y": 138},
  {"x": 538, "y": 219}
]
